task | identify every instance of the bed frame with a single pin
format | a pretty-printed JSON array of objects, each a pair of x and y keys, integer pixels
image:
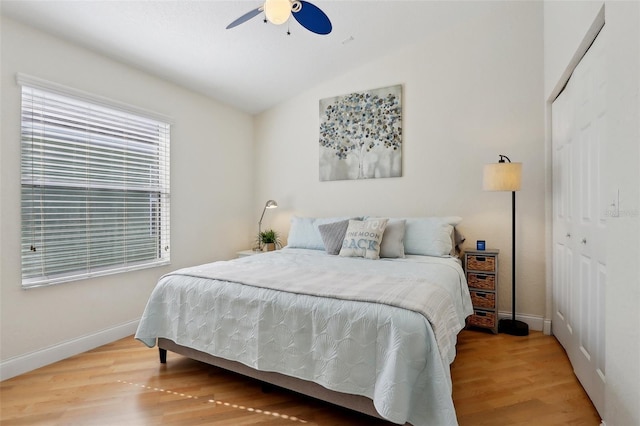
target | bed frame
[{"x": 358, "y": 403}]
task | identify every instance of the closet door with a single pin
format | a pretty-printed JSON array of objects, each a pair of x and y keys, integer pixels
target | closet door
[
  {"x": 579, "y": 223},
  {"x": 563, "y": 124}
]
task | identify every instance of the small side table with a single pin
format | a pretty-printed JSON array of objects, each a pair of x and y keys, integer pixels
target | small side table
[
  {"x": 245, "y": 253},
  {"x": 481, "y": 269}
]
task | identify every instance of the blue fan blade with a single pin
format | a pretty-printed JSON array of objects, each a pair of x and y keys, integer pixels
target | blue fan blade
[
  {"x": 313, "y": 19},
  {"x": 245, "y": 17}
]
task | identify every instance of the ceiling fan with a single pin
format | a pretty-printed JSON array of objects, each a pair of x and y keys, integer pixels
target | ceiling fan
[{"x": 279, "y": 11}]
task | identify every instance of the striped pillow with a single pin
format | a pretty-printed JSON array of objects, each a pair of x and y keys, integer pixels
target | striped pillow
[{"x": 332, "y": 235}]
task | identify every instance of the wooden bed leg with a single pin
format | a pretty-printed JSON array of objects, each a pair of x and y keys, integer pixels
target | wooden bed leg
[{"x": 163, "y": 355}]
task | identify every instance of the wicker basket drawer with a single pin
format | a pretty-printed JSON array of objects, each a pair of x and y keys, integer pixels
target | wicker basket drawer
[
  {"x": 481, "y": 299},
  {"x": 481, "y": 263},
  {"x": 481, "y": 281},
  {"x": 482, "y": 319}
]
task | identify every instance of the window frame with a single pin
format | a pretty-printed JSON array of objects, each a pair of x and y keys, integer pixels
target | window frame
[{"x": 159, "y": 215}]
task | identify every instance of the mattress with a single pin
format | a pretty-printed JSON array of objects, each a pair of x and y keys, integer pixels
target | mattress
[{"x": 343, "y": 339}]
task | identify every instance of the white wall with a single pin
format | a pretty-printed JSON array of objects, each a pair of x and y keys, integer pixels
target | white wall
[
  {"x": 570, "y": 20},
  {"x": 469, "y": 93},
  {"x": 211, "y": 183},
  {"x": 623, "y": 241},
  {"x": 568, "y": 30}
]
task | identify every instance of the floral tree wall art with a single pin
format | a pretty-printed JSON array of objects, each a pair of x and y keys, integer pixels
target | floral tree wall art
[{"x": 361, "y": 135}]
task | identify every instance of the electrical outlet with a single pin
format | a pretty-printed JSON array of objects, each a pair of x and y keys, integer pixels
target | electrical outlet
[{"x": 613, "y": 209}]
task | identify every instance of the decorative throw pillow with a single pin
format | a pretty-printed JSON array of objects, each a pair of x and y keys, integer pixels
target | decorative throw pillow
[
  {"x": 392, "y": 245},
  {"x": 363, "y": 238},
  {"x": 333, "y": 234}
]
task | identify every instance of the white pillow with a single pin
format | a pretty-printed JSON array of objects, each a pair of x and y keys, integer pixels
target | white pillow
[
  {"x": 430, "y": 236},
  {"x": 304, "y": 232},
  {"x": 363, "y": 238}
]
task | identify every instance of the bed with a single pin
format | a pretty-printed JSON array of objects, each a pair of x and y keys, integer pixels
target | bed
[{"x": 372, "y": 332}]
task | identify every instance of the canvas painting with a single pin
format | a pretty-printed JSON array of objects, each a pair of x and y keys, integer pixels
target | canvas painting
[{"x": 361, "y": 135}]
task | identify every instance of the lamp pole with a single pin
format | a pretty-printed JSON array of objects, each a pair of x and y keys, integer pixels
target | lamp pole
[
  {"x": 513, "y": 255},
  {"x": 506, "y": 176},
  {"x": 271, "y": 204}
]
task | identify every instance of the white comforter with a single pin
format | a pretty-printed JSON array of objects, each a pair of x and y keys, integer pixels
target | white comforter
[{"x": 387, "y": 353}]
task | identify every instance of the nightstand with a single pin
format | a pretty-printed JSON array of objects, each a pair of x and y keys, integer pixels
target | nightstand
[
  {"x": 245, "y": 253},
  {"x": 481, "y": 269}
]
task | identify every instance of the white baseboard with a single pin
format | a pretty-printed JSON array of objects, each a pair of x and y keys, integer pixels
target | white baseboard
[
  {"x": 24, "y": 363},
  {"x": 534, "y": 322}
]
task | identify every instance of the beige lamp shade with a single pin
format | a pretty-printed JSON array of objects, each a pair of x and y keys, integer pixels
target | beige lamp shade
[
  {"x": 277, "y": 11},
  {"x": 502, "y": 177}
]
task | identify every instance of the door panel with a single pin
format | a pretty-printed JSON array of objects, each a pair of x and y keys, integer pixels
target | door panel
[
  {"x": 579, "y": 221},
  {"x": 562, "y": 138}
]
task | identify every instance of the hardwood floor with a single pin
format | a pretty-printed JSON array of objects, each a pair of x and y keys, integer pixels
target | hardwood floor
[
  {"x": 497, "y": 380},
  {"x": 511, "y": 380}
]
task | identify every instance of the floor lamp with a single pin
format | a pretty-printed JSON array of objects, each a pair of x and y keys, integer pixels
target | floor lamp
[
  {"x": 507, "y": 176},
  {"x": 269, "y": 205}
]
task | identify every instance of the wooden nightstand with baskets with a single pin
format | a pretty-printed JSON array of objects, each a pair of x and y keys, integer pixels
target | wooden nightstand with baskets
[{"x": 481, "y": 268}]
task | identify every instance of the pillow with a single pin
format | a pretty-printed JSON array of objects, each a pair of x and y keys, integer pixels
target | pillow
[
  {"x": 332, "y": 235},
  {"x": 304, "y": 232},
  {"x": 393, "y": 239},
  {"x": 457, "y": 239},
  {"x": 430, "y": 236},
  {"x": 363, "y": 238}
]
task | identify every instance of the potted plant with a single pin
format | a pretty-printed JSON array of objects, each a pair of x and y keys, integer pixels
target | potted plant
[{"x": 269, "y": 240}]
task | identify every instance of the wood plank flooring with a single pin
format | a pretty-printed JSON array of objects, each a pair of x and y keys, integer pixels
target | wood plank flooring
[{"x": 497, "y": 379}]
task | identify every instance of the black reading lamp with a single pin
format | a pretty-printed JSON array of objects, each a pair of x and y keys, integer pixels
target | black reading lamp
[
  {"x": 269, "y": 205},
  {"x": 507, "y": 176}
]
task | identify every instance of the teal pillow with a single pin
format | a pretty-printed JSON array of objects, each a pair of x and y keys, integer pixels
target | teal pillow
[{"x": 304, "y": 232}]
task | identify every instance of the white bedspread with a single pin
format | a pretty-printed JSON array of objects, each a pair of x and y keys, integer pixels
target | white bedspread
[{"x": 385, "y": 352}]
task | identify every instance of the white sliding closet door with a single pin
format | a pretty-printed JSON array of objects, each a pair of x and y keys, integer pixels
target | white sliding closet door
[{"x": 579, "y": 209}]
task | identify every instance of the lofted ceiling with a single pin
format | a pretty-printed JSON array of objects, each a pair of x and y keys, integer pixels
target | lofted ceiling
[{"x": 253, "y": 66}]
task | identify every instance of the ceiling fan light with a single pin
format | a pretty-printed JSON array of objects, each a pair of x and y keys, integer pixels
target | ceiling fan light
[{"x": 277, "y": 11}]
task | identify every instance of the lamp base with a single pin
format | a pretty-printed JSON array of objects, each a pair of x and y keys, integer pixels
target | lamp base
[{"x": 513, "y": 327}]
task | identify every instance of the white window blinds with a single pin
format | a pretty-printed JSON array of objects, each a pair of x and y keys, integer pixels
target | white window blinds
[{"x": 95, "y": 189}]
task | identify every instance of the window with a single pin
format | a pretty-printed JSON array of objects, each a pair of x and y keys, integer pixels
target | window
[{"x": 95, "y": 187}]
